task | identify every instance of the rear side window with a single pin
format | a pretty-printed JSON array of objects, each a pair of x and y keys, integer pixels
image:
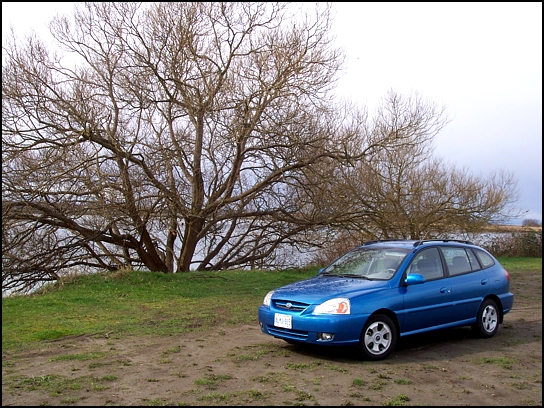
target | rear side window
[
  {"x": 484, "y": 258},
  {"x": 473, "y": 261},
  {"x": 459, "y": 261}
]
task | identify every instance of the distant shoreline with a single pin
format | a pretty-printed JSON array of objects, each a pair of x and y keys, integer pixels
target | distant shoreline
[{"x": 509, "y": 228}]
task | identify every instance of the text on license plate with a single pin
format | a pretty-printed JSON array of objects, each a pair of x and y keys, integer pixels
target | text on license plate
[{"x": 281, "y": 320}]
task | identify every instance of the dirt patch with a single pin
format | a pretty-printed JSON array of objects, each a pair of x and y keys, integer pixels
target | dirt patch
[{"x": 239, "y": 365}]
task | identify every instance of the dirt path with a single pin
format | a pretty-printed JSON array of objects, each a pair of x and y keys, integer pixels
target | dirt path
[{"x": 241, "y": 366}]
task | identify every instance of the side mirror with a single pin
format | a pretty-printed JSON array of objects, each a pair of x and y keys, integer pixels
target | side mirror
[
  {"x": 320, "y": 271},
  {"x": 414, "y": 279}
]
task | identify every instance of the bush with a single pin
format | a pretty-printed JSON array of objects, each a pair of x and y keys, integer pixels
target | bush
[{"x": 526, "y": 243}]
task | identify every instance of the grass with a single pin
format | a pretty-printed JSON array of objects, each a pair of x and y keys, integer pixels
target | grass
[
  {"x": 358, "y": 382},
  {"x": 56, "y": 385},
  {"x": 144, "y": 303},
  {"x": 139, "y": 303},
  {"x": 212, "y": 381},
  {"x": 399, "y": 400},
  {"x": 79, "y": 357},
  {"x": 519, "y": 264},
  {"x": 505, "y": 363}
]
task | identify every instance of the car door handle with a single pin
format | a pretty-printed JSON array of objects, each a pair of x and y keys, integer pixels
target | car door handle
[
  {"x": 484, "y": 282},
  {"x": 444, "y": 290}
]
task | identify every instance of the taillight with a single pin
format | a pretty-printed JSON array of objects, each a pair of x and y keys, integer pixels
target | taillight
[{"x": 507, "y": 275}]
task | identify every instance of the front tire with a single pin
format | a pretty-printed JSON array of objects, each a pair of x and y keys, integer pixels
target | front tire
[
  {"x": 378, "y": 338},
  {"x": 487, "y": 320}
]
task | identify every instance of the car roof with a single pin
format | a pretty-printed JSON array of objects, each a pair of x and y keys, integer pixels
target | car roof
[{"x": 413, "y": 243}]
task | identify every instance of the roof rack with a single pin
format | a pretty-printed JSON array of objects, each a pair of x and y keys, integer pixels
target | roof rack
[
  {"x": 386, "y": 240},
  {"x": 422, "y": 241}
]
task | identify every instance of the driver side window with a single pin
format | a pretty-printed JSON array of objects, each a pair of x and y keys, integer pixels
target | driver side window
[{"x": 428, "y": 264}]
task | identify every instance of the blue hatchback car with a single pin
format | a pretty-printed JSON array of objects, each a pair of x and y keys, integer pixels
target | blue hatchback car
[{"x": 383, "y": 290}]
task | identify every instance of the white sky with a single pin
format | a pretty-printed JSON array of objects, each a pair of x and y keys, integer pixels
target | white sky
[{"x": 482, "y": 60}]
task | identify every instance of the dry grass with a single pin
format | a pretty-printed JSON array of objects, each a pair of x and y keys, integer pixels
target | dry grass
[{"x": 509, "y": 228}]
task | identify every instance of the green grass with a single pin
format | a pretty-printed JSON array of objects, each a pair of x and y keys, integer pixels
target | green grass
[
  {"x": 358, "y": 382},
  {"x": 144, "y": 303},
  {"x": 212, "y": 381},
  {"x": 139, "y": 303},
  {"x": 503, "y": 362},
  {"x": 399, "y": 400},
  {"x": 79, "y": 357},
  {"x": 521, "y": 264}
]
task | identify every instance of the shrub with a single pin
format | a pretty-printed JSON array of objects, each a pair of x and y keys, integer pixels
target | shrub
[{"x": 527, "y": 243}]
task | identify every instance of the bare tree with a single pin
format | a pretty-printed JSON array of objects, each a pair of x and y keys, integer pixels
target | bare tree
[
  {"x": 184, "y": 136},
  {"x": 405, "y": 192},
  {"x": 529, "y": 222},
  {"x": 178, "y": 136}
]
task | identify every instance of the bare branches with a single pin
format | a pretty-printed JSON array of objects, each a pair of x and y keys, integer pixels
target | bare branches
[
  {"x": 400, "y": 191},
  {"x": 174, "y": 134},
  {"x": 203, "y": 136}
]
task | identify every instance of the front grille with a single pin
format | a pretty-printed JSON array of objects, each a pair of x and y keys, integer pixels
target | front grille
[{"x": 294, "y": 306}]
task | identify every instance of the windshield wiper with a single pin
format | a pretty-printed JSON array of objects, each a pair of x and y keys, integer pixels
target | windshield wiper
[
  {"x": 354, "y": 275},
  {"x": 346, "y": 275}
]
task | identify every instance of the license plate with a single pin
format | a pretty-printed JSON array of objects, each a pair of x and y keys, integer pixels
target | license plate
[{"x": 281, "y": 320}]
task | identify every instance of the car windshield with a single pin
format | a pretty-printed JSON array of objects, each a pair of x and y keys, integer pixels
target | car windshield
[{"x": 369, "y": 263}]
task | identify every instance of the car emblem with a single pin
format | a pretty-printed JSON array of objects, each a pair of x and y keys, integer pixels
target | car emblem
[{"x": 288, "y": 305}]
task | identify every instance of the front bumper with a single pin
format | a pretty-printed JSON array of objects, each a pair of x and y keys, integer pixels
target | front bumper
[{"x": 306, "y": 328}]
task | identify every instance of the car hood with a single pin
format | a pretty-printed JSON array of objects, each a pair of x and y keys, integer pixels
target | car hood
[{"x": 315, "y": 290}]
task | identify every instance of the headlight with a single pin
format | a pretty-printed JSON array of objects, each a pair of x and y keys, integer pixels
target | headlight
[
  {"x": 267, "y": 298},
  {"x": 334, "y": 306}
]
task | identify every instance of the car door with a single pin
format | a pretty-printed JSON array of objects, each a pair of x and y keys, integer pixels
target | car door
[
  {"x": 427, "y": 305},
  {"x": 469, "y": 284}
]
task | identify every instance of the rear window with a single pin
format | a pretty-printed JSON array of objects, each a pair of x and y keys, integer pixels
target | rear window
[{"x": 484, "y": 258}]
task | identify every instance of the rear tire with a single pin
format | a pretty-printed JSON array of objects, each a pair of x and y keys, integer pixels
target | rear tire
[
  {"x": 378, "y": 338},
  {"x": 487, "y": 320}
]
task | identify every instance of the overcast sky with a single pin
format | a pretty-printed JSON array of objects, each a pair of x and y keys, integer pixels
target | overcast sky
[{"x": 483, "y": 61}]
